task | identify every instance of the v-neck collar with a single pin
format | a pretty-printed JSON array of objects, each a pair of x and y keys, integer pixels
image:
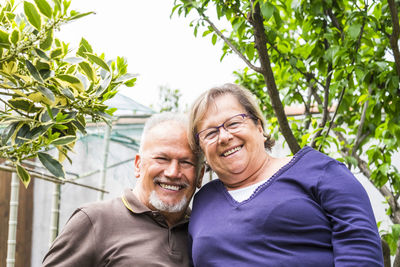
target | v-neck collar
[{"x": 274, "y": 177}]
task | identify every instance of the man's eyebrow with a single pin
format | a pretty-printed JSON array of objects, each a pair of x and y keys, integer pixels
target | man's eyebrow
[{"x": 193, "y": 160}]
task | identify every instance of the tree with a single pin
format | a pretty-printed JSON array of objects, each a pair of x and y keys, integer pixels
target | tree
[
  {"x": 338, "y": 57},
  {"x": 169, "y": 99},
  {"x": 47, "y": 94}
]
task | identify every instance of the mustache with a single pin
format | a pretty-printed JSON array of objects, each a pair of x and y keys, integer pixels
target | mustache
[{"x": 166, "y": 180}]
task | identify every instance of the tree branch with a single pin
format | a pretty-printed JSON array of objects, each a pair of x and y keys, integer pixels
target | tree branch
[
  {"x": 325, "y": 113},
  {"x": 307, "y": 75},
  {"x": 359, "y": 137},
  {"x": 307, "y": 111},
  {"x": 394, "y": 37},
  {"x": 228, "y": 42},
  {"x": 14, "y": 109},
  {"x": 260, "y": 40},
  {"x": 384, "y": 190},
  {"x": 334, "y": 20}
]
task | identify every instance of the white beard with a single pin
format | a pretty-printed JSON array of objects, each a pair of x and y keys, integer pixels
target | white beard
[{"x": 157, "y": 203}]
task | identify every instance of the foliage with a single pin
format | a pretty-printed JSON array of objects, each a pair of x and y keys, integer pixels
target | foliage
[
  {"x": 337, "y": 59},
  {"x": 169, "y": 99},
  {"x": 47, "y": 93}
]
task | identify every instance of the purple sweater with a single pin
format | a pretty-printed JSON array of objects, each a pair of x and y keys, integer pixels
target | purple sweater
[{"x": 312, "y": 212}]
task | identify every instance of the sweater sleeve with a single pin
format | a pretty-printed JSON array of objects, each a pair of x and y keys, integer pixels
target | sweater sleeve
[
  {"x": 75, "y": 246},
  {"x": 355, "y": 237}
]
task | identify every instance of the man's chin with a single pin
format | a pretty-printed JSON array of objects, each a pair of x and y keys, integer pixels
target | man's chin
[{"x": 167, "y": 206}]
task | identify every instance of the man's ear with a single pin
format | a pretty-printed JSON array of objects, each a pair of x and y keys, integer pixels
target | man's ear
[
  {"x": 138, "y": 161},
  {"x": 200, "y": 179}
]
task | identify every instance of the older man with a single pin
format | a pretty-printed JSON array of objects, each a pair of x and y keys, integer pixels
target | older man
[{"x": 147, "y": 226}]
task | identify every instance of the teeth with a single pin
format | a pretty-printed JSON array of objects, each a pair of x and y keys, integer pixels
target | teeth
[
  {"x": 170, "y": 187},
  {"x": 233, "y": 150}
]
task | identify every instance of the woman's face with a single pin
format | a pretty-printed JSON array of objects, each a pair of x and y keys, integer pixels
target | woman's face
[{"x": 235, "y": 157}]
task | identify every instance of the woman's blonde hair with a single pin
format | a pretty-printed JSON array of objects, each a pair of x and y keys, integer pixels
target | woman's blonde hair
[{"x": 203, "y": 102}]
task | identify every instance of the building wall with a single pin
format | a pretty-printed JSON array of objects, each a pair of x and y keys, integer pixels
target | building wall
[{"x": 88, "y": 156}]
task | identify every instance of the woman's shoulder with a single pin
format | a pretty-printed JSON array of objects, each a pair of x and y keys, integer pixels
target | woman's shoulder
[{"x": 210, "y": 188}]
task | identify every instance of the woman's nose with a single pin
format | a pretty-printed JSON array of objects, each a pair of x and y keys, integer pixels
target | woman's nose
[{"x": 224, "y": 135}]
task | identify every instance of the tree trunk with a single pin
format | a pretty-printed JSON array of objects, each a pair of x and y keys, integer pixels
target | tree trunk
[
  {"x": 386, "y": 253},
  {"x": 261, "y": 45}
]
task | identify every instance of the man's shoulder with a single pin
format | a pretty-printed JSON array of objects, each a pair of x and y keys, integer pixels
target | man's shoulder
[{"x": 99, "y": 208}]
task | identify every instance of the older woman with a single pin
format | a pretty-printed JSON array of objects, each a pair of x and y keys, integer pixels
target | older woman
[{"x": 305, "y": 210}]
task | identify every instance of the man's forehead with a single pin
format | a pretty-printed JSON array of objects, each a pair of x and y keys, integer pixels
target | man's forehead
[{"x": 173, "y": 154}]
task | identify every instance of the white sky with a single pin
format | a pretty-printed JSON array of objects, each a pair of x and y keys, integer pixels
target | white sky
[{"x": 161, "y": 50}]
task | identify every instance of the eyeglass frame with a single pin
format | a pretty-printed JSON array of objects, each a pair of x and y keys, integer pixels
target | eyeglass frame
[{"x": 244, "y": 115}]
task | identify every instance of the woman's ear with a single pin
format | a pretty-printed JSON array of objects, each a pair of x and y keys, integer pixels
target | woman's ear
[
  {"x": 137, "y": 165},
  {"x": 259, "y": 126}
]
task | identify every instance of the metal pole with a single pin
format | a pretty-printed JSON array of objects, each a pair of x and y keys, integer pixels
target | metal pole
[
  {"x": 55, "y": 213},
  {"x": 13, "y": 220},
  {"x": 103, "y": 172}
]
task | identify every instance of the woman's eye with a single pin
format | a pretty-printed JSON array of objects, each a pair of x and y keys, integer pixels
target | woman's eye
[
  {"x": 233, "y": 124},
  {"x": 211, "y": 134}
]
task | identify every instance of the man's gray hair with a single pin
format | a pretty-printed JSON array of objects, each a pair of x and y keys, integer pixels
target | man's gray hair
[{"x": 180, "y": 118}]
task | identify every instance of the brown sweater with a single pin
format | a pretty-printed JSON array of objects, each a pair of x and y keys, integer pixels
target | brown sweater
[{"x": 119, "y": 232}]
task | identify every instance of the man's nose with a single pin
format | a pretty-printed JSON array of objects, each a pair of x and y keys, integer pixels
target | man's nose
[{"x": 172, "y": 169}]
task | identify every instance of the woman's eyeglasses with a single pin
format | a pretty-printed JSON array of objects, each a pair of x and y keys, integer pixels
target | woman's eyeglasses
[{"x": 231, "y": 125}]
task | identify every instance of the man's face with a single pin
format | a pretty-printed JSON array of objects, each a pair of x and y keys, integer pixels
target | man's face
[{"x": 166, "y": 168}]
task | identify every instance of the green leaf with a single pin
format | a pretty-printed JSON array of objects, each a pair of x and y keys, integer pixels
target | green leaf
[
  {"x": 40, "y": 130},
  {"x": 32, "y": 15},
  {"x": 64, "y": 140},
  {"x": 57, "y": 5},
  {"x": 84, "y": 46},
  {"x": 79, "y": 126},
  {"x": 44, "y": 8},
  {"x": 214, "y": 39},
  {"x": 104, "y": 85},
  {"x": 4, "y": 41},
  {"x": 42, "y": 54},
  {"x": 51, "y": 164},
  {"x": 88, "y": 70},
  {"x": 278, "y": 19},
  {"x": 8, "y": 132},
  {"x": 67, "y": 92},
  {"x": 23, "y": 175},
  {"x": 14, "y": 36},
  {"x": 362, "y": 99},
  {"x": 46, "y": 92},
  {"x": 22, "y": 134},
  {"x": 130, "y": 83},
  {"x": 126, "y": 77},
  {"x": 23, "y": 104},
  {"x": 267, "y": 10},
  {"x": 354, "y": 30},
  {"x": 56, "y": 52},
  {"x": 98, "y": 61},
  {"x": 69, "y": 78},
  {"x": 48, "y": 41},
  {"x": 34, "y": 72},
  {"x": 205, "y": 33},
  {"x": 80, "y": 15}
]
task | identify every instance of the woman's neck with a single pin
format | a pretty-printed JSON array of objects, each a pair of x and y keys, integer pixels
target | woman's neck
[{"x": 261, "y": 173}]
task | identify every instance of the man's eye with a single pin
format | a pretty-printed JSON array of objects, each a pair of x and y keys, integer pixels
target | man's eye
[
  {"x": 161, "y": 159},
  {"x": 187, "y": 164}
]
